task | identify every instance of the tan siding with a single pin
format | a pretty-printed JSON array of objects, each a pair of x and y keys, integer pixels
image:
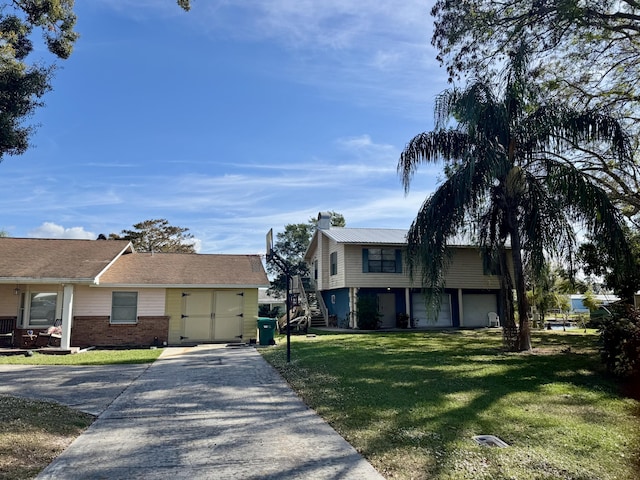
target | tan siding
[
  {"x": 323, "y": 262},
  {"x": 355, "y": 277},
  {"x": 466, "y": 271},
  {"x": 250, "y": 314},
  {"x": 338, "y": 280},
  {"x": 8, "y": 301}
]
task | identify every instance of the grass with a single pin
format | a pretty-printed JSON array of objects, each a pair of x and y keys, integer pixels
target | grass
[
  {"x": 92, "y": 357},
  {"x": 33, "y": 433},
  {"x": 411, "y": 403}
]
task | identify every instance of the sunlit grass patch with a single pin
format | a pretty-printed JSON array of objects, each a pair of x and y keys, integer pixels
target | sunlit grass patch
[
  {"x": 412, "y": 402},
  {"x": 92, "y": 357}
]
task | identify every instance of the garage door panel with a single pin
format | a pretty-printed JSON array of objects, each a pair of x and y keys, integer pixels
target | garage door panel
[
  {"x": 475, "y": 308},
  {"x": 420, "y": 316}
]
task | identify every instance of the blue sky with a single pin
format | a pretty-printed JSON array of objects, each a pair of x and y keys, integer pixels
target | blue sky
[{"x": 229, "y": 120}]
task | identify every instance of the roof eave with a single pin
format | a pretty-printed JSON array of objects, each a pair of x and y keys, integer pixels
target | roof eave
[
  {"x": 177, "y": 285},
  {"x": 32, "y": 281},
  {"x": 129, "y": 247}
]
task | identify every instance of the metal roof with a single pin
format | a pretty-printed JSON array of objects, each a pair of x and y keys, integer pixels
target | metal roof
[{"x": 383, "y": 236}]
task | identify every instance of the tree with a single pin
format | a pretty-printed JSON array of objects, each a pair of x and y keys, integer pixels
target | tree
[
  {"x": 623, "y": 278},
  {"x": 590, "y": 301},
  {"x": 508, "y": 183},
  {"x": 158, "y": 235},
  {"x": 23, "y": 83},
  {"x": 291, "y": 245},
  {"x": 185, "y": 4},
  {"x": 587, "y": 53}
]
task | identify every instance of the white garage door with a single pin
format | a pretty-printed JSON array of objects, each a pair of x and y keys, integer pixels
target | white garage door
[
  {"x": 476, "y": 306},
  {"x": 420, "y": 312}
]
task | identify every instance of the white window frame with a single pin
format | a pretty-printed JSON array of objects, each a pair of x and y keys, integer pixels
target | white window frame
[
  {"x": 49, "y": 321},
  {"x": 118, "y": 318}
]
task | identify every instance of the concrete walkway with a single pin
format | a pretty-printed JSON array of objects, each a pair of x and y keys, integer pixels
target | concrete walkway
[{"x": 206, "y": 412}]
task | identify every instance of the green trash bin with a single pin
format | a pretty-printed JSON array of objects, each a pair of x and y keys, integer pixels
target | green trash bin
[{"x": 266, "y": 330}]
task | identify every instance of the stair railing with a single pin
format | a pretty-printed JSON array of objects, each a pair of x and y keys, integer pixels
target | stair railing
[
  {"x": 321, "y": 305},
  {"x": 302, "y": 294}
]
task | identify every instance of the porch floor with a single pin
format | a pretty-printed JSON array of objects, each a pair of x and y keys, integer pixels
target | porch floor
[{"x": 43, "y": 350}]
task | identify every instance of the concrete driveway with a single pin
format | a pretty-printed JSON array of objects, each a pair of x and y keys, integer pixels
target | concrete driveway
[{"x": 207, "y": 412}]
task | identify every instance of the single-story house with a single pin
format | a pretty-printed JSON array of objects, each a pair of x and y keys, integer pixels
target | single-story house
[
  {"x": 577, "y": 305},
  {"x": 348, "y": 262},
  {"x": 105, "y": 293},
  {"x": 267, "y": 300}
]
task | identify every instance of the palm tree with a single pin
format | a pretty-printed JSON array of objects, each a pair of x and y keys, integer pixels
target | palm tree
[{"x": 511, "y": 177}]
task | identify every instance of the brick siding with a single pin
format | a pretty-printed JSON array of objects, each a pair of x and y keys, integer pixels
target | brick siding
[{"x": 97, "y": 331}]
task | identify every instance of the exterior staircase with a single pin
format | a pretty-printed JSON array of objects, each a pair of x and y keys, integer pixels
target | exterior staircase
[{"x": 312, "y": 303}]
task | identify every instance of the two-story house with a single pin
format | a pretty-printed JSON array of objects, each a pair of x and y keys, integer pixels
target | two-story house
[{"x": 348, "y": 262}]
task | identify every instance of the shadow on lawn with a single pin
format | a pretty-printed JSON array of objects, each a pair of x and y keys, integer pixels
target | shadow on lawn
[{"x": 435, "y": 390}]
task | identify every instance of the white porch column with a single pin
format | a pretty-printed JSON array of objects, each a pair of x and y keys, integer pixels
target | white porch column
[
  {"x": 407, "y": 301},
  {"x": 460, "y": 308},
  {"x": 67, "y": 310},
  {"x": 353, "y": 307}
]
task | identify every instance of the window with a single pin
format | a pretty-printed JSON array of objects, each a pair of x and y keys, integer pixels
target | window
[
  {"x": 382, "y": 260},
  {"x": 42, "y": 308},
  {"x": 490, "y": 266},
  {"x": 334, "y": 263},
  {"x": 124, "y": 307}
]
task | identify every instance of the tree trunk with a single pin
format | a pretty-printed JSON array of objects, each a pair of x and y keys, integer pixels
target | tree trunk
[
  {"x": 524, "y": 333},
  {"x": 509, "y": 329}
]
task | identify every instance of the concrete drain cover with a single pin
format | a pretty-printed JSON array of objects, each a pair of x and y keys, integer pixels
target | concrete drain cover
[{"x": 490, "y": 441}]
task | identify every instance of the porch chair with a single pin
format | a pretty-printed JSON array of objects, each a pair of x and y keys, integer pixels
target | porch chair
[
  {"x": 51, "y": 336},
  {"x": 7, "y": 329},
  {"x": 494, "y": 319}
]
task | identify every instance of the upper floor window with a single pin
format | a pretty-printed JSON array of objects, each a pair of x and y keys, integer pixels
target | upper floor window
[
  {"x": 124, "y": 307},
  {"x": 334, "y": 263},
  {"x": 382, "y": 260}
]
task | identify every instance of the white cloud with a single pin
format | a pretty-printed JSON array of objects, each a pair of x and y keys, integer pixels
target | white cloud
[
  {"x": 380, "y": 52},
  {"x": 52, "y": 230}
]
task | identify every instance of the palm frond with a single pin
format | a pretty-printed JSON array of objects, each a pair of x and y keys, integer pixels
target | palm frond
[
  {"x": 445, "y": 145},
  {"x": 442, "y": 216},
  {"x": 590, "y": 204}
]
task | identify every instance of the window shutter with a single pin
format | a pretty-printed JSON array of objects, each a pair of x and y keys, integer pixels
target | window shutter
[
  {"x": 398, "y": 260},
  {"x": 365, "y": 260}
]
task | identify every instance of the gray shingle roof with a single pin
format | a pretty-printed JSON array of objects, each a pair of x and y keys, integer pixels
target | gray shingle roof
[
  {"x": 32, "y": 259},
  {"x": 186, "y": 269}
]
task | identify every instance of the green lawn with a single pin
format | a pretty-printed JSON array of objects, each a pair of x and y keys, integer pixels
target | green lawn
[
  {"x": 411, "y": 403},
  {"x": 92, "y": 357}
]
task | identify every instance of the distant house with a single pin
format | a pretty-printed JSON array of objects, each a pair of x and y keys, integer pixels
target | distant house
[
  {"x": 106, "y": 294},
  {"x": 577, "y": 305},
  {"x": 271, "y": 302},
  {"x": 348, "y": 262}
]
